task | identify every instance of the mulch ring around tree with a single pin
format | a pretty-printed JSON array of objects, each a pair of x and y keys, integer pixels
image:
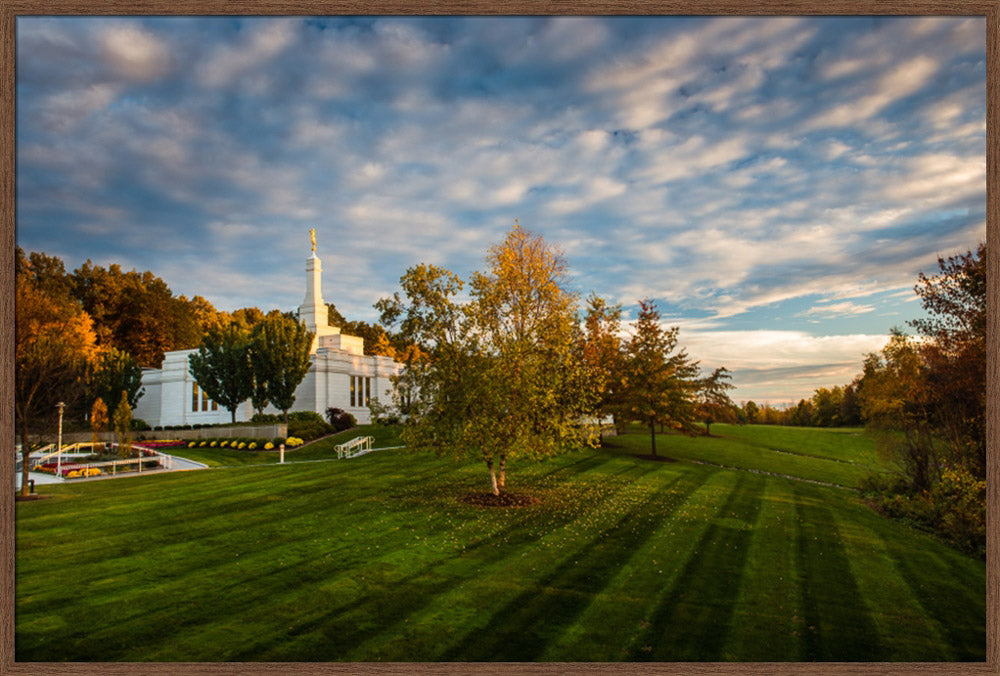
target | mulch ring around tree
[
  {"x": 655, "y": 458},
  {"x": 502, "y": 500},
  {"x": 24, "y": 498}
]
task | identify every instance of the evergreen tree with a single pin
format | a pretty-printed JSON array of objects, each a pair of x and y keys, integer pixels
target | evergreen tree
[{"x": 659, "y": 378}]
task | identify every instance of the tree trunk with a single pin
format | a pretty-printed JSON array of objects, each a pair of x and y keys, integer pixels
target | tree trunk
[
  {"x": 652, "y": 436},
  {"x": 503, "y": 472},
  {"x": 708, "y": 429},
  {"x": 493, "y": 477},
  {"x": 232, "y": 413}
]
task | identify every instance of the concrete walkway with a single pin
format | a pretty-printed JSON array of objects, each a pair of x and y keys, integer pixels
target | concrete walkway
[{"x": 178, "y": 464}]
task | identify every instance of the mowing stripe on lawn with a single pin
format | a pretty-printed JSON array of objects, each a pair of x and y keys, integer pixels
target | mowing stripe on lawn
[
  {"x": 616, "y": 615},
  {"x": 838, "y": 625},
  {"x": 765, "y": 625},
  {"x": 691, "y": 620},
  {"x": 904, "y": 627}
]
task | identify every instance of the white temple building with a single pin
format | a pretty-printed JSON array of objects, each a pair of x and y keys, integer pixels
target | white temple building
[{"x": 341, "y": 375}]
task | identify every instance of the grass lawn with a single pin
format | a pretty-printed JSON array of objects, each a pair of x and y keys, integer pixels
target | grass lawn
[
  {"x": 376, "y": 559},
  {"x": 840, "y": 456}
]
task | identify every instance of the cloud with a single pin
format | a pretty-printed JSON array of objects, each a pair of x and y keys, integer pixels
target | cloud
[
  {"x": 136, "y": 54},
  {"x": 845, "y": 309},
  {"x": 263, "y": 42}
]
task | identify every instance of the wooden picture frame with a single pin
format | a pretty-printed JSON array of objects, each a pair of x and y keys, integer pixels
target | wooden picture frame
[{"x": 10, "y": 10}]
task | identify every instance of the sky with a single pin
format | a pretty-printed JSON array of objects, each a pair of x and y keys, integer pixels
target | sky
[{"x": 774, "y": 184}]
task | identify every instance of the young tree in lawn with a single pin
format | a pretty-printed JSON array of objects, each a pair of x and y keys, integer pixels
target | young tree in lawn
[
  {"x": 98, "y": 420},
  {"x": 54, "y": 347},
  {"x": 660, "y": 381},
  {"x": 117, "y": 372},
  {"x": 121, "y": 420},
  {"x": 501, "y": 376},
  {"x": 527, "y": 339},
  {"x": 221, "y": 366},
  {"x": 714, "y": 404},
  {"x": 281, "y": 346}
]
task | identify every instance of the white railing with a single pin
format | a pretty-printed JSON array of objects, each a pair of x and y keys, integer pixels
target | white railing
[
  {"x": 356, "y": 446},
  {"x": 74, "y": 470}
]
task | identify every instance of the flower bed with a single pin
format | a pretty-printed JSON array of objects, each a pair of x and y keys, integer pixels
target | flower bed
[{"x": 157, "y": 445}]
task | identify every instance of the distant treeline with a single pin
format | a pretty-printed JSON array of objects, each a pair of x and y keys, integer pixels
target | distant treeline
[{"x": 835, "y": 407}]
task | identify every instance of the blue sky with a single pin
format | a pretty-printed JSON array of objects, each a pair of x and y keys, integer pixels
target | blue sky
[{"x": 775, "y": 184}]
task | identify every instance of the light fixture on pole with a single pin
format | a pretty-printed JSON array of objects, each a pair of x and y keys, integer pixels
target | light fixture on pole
[{"x": 60, "y": 406}]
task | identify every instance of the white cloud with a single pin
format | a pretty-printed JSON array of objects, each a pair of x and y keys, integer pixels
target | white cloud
[
  {"x": 845, "y": 309},
  {"x": 135, "y": 53}
]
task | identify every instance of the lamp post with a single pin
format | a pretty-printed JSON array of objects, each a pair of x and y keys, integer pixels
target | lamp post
[{"x": 60, "y": 406}]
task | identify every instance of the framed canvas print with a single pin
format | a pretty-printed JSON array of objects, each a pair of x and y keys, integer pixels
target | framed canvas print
[{"x": 459, "y": 338}]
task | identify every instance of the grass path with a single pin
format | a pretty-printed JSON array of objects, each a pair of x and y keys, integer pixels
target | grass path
[{"x": 376, "y": 559}]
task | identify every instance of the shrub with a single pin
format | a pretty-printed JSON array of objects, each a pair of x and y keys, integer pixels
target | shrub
[
  {"x": 212, "y": 443},
  {"x": 269, "y": 446},
  {"x": 252, "y": 446},
  {"x": 340, "y": 419},
  {"x": 954, "y": 508},
  {"x": 292, "y": 442},
  {"x": 277, "y": 441},
  {"x": 139, "y": 425}
]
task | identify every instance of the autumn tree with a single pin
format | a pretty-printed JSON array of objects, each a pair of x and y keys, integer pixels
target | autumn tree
[
  {"x": 137, "y": 313},
  {"x": 54, "y": 346},
  {"x": 659, "y": 376},
  {"x": 221, "y": 366},
  {"x": 98, "y": 420},
  {"x": 280, "y": 347},
  {"x": 752, "y": 411},
  {"x": 503, "y": 377},
  {"x": 601, "y": 348},
  {"x": 713, "y": 402},
  {"x": 954, "y": 355},
  {"x": 895, "y": 398}
]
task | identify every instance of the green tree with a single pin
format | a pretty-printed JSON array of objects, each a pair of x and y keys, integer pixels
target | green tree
[
  {"x": 54, "y": 347},
  {"x": 281, "y": 357},
  {"x": 714, "y": 404},
  {"x": 826, "y": 406},
  {"x": 117, "y": 372},
  {"x": 659, "y": 377},
  {"x": 121, "y": 420},
  {"x": 751, "y": 411},
  {"x": 221, "y": 366}
]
